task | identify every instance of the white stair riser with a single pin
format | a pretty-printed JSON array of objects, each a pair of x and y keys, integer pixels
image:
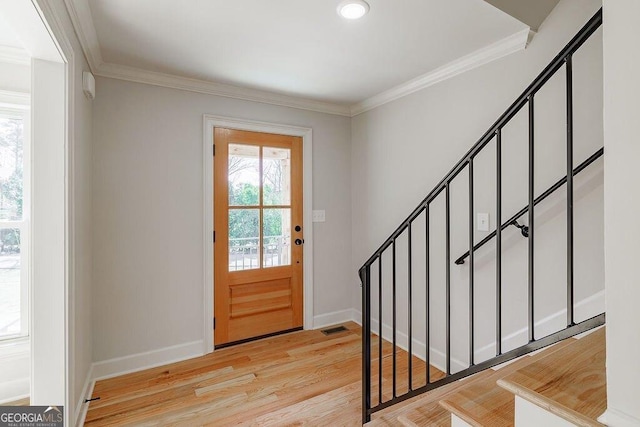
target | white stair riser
[
  {"x": 459, "y": 422},
  {"x": 531, "y": 415}
]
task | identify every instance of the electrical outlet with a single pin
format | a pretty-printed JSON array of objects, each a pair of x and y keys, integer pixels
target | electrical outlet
[
  {"x": 483, "y": 222},
  {"x": 318, "y": 216}
]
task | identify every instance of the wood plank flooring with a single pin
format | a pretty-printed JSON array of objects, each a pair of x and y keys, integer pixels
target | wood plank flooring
[
  {"x": 20, "y": 402},
  {"x": 301, "y": 378}
]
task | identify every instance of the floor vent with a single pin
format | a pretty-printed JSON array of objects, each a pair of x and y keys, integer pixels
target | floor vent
[{"x": 335, "y": 330}]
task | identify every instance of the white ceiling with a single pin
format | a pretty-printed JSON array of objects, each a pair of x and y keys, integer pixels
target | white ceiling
[
  {"x": 8, "y": 37},
  {"x": 300, "y": 48}
]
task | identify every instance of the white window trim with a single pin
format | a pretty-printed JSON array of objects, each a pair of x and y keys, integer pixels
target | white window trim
[{"x": 16, "y": 105}]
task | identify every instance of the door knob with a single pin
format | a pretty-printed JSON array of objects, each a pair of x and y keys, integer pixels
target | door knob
[{"x": 298, "y": 242}]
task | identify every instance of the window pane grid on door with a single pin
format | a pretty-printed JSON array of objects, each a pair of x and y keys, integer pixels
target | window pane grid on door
[
  {"x": 244, "y": 175},
  {"x": 276, "y": 176},
  {"x": 244, "y": 239},
  {"x": 276, "y": 250},
  {"x": 259, "y": 177}
]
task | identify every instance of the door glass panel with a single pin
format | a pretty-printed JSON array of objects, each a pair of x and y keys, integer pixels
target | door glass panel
[
  {"x": 244, "y": 239},
  {"x": 277, "y": 237},
  {"x": 244, "y": 175},
  {"x": 11, "y": 136},
  {"x": 276, "y": 176},
  {"x": 10, "y": 298}
]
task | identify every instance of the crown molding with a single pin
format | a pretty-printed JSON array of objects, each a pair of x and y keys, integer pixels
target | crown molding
[
  {"x": 82, "y": 20},
  {"x": 121, "y": 72},
  {"x": 497, "y": 50},
  {"x": 14, "y": 55},
  {"x": 80, "y": 14}
]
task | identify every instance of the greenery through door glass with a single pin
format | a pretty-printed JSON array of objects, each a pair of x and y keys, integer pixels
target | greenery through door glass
[{"x": 244, "y": 191}]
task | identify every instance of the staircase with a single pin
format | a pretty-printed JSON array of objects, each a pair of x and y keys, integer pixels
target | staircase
[
  {"x": 548, "y": 372},
  {"x": 561, "y": 385}
]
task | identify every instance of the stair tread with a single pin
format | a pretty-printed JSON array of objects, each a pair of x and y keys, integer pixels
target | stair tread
[
  {"x": 483, "y": 403},
  {"x": 427, "y": 415},
  {"x": 425, "y": 411},
  {"x": 569, "y": 382},
  {"x": 403, "y": 413}
]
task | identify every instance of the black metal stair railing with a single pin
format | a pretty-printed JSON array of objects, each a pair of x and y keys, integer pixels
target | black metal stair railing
[{"x": 526, "y": 99}]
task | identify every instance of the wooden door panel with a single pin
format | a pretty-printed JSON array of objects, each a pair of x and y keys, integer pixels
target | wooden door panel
[
  {"x": 258, "y": 282},
  {"x": 257, "y": 298},
  {"x": 251, "y": 276},
  {"x": 261, "y": 324}
]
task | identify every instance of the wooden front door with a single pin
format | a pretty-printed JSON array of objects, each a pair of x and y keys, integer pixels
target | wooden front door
[{"x": 258, "y": 234}]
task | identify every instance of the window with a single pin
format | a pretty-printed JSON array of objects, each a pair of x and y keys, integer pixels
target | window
[{"x": 14, "y": 222}]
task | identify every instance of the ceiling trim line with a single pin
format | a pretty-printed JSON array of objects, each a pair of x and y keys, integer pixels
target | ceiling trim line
[
  {"x": 511, "y": 44},
  {"x": 122, "y": 72},
  {"x": 82, "y": 21},
  {"x": 14, "y": 55}
]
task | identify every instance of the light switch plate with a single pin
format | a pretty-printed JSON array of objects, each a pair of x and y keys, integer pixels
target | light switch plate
[
  {"x": 483, "y": 222},
  {"x": 318, "y": 216}
]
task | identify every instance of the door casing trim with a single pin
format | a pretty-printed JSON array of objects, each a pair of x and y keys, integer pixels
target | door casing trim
[{"x": 209, "y": 122}]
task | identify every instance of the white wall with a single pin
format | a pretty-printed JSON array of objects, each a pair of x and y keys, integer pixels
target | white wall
[
  {"x": 622, "y": 202},
  {"x": 148, "y": 198},
  {"x": 401, "y": 151},
  {"x": 15, "y": 77}
]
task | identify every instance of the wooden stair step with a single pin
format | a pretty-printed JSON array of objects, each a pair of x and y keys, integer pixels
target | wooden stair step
[
  {"x": 483, "y": 403},
  {"x": 432, "y": 414},
  {"x": 569, "y": 382},
  {"x": 424, "y": 409}
]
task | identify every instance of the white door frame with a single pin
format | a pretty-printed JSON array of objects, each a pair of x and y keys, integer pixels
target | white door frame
[{"x": 211, "y": 121}]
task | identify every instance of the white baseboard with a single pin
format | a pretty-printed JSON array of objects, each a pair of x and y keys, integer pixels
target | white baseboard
[
  {"x": 15, "y": 364},
  {"x": 418, "y": 348},
  {"x": 615, "y": 418},
  {"x": 81, "y": 406},
  {"x": 150, "y": 359},
  {"x": 13, "y": 390},
  {"x": 333, "y": 318},
  {"x": 590, "y": 306},
  {"x": 356, "y": 316}
]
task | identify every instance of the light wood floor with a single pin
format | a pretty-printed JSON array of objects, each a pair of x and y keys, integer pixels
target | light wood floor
[
  {"x": 302, "y": 378},
  {"x": 21, "y": 402}
]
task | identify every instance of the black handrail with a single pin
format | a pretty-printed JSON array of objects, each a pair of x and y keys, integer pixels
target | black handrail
[
  {"x": 564, "y": 58},
  {"x": 595, "y": 156},
  {"x": 520, "y": 102}
]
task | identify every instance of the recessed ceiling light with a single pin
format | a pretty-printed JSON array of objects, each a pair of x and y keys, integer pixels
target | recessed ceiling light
[{"x": 353, "y": 9}]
